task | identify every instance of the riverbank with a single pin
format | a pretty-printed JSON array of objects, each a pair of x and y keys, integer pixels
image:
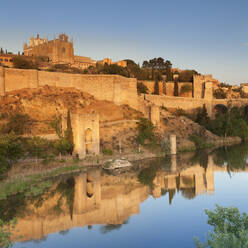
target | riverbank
[{"x": 33, "y": 166}]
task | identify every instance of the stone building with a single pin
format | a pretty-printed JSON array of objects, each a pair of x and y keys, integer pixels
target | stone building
[
  {"x": 109, "y": 61},
  {"x": 60, "y": 51},
  {"x": 6, "y": 59}
]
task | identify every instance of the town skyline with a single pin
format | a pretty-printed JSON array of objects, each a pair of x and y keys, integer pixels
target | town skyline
[{"x": 208, "y": 37}]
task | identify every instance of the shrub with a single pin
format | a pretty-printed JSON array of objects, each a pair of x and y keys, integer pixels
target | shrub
[
  {"x": 23, "y": 63},
  {"x": 164, "y": 108},
  {"x": 5, "y": 233},
  {"x": 220, "y": 94},
  {"x": 202, "y": 116},
  {"x": 145, "y": 131},
  {"x": 197, "y": 140},
  {"x": 141, "y": 88},
  {"x": 180, "y": 112},
  {"x": 107, "y": 152},
  {"x": 230, "y": 228},
  {"x": 10, "y": 151},
  {"x": 187, "y": 75},
  {"x": 63, "y": 146},
  {"x": 18, "y": 124},
  {"x": 186, "y": 88}
]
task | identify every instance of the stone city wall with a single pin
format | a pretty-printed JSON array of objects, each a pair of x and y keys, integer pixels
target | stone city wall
[
  {"x": 150, "y": 86},
  {"x": 168, "y": 88},
  {"x": 115, "y": 88},
  {"x": 173, "y": 103}
]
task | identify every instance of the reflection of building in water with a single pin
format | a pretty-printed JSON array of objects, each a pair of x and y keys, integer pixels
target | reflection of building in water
[
  {"x": 97, "y": 200},
  {"x": 107, "y": 199},
  {"x": 191, "y": 181}
]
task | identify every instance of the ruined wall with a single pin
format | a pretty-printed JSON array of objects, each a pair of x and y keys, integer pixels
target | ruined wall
[
  {"x": 171, "y": 102},
  {"x": 85, "y": 128},
  {"x": 150, "y": 86},
  {"x": 199, "y": 85},
  {"x": 114, "y": 88},
  {"x": 185, "y": 94},
  {"x": 169, "y": 88}
]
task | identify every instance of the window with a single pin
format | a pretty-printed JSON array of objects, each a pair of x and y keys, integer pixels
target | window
[{"x": 63, "y": 50}]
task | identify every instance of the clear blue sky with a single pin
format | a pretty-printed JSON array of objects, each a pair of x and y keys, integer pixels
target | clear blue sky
[{"x": 210, "y": 36}]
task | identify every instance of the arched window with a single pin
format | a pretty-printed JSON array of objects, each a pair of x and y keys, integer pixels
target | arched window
[
  {"x": 88, "y": 140},
  {"x": 63, "y": 50}
]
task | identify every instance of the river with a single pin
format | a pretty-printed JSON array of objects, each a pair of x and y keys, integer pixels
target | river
[{"x": 159, "y": 203}]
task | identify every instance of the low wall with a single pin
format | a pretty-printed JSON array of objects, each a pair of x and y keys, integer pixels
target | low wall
[{"x": 115, "y": 88}]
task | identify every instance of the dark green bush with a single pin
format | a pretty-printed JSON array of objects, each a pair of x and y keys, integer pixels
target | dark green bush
[
  {"x": 141, "y": 88},
  {"x": 107, "y": 152},
  {"x": 145, "y": 131},
  {"x": 18, "y": 123},
  {"x": 220, "y": 94},
  {"x": 186, "y": 88},
  {"x": 230, "y": 229}
]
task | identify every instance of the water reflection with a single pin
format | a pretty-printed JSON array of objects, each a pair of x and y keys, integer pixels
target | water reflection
[{"x": 95, "y": 197}]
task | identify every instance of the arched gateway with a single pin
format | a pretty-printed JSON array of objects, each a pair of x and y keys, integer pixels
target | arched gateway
[{"x": 85, "y": 128}]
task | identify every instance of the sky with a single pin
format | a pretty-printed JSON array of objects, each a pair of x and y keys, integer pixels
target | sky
[{"x": 210, "y": 36}]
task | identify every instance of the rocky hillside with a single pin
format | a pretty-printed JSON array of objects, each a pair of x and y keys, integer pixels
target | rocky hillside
[
  {"x": 42, "y": 104},
  {"x": 118, "y": 124}
]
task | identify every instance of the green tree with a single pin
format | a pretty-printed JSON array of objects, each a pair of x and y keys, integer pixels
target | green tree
[
  {"x": 187, "y": 75},
  {"x": 145, "y": 131},
  {"x": 64, "y": 144},
  {"x": 141, "y": 88},
  {"x": 230, "y": 229},
  {"x": 202, "y": 116},
  {"x": 69, "y": 133},
  {"x": 169, "y": 74},
  {"x": 5, "y": 232},
  {"x": 176, "y": 88}
]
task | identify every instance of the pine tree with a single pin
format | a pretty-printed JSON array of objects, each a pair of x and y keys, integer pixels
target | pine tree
[
  {"x": 69, "y": 133},
  {"x": 176, "y": 88},
  {"x": 156, "y": 87}
]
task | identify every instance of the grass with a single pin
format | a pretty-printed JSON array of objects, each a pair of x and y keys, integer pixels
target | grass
[{"x": 33, "y": 185}]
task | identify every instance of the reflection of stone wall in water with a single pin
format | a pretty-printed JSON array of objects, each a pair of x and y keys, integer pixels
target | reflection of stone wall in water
[
  {"x": 97, "y": 200},
  {"x": 105, "y": 199}
]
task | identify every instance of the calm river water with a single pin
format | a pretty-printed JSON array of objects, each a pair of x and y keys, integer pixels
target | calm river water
[{"x": 160, "y": 203}]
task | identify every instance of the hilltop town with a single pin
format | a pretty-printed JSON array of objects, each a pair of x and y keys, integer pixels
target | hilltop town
[{"x": 92, "y": 108}]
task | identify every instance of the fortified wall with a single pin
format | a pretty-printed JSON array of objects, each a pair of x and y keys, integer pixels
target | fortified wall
[{"x": 115, "y": 88}]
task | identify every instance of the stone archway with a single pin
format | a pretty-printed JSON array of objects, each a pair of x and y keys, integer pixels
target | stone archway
[{"x": 220, "y": 109}]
